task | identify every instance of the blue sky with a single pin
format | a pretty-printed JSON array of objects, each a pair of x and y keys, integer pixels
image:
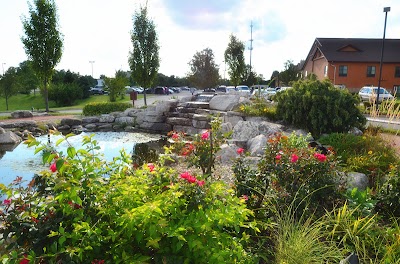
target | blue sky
[{"x": 99, "y": 30}]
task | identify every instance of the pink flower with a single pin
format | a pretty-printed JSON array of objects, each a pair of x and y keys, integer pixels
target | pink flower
[
  {"x": 7, "y": 202},
  {"x": 200, "y": 183},
  {"x": 205, "y": 135},
  {"x": 150, "y": 166},
  {"x": 278, "y": 157},
  {"x": 294, "y": 158},
  {"x": 240, "y": 151},
  {"x": 320, "y": 157},
  {"x": 53, "y": 167},
  {"x": 245, "y": 197},
  {"x": 175, "y": 136},
  {"x": 188, "y": 177}
]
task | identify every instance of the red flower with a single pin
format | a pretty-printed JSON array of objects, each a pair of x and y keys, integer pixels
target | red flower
[
  {"x": 240, "y": 151},
  {"x": 150, "y": 166},
  {"x": 188, "y": 177},
  {"x": 205, "y": 135},
  {"x": 201, "y": 183},
  {"x": 245, "y": 197},
  {"x": 7, "y": 202},
  {"x": 53, "y": 167},
  {"x": 24, "y": 260},
  {"x": 175, "y": 136},
  {"x": 294, "y": 158},
  {"x": 278, "y": 157},
  {"x": 320, "y": 157},
  {"x": 98, "y": 261}
]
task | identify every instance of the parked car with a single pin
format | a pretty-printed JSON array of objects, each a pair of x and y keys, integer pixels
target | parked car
[
  {"x": 269, "y": 92},
  {"x": 370, "y": 94},
  {"x": 97, "y": 90},
  {"x": 243, "y": 89}
]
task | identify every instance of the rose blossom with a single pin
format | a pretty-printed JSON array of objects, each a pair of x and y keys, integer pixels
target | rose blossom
[
  {"x": 278, "y": 157},
  {"x": 175, "y": 136},
  {"x": 7, "y": 202},
  {"x": 240, "y": 151},
  {"x": 187, "y": 176},
  {"x": 320, "y": 157},
  {"x": 53, "y": 167},
  {"x": 294, "y": 158},
  {"x": 200, "y": 183},
  {"x": 150, "y": 166},
  {"x": 205, "y": 135}
]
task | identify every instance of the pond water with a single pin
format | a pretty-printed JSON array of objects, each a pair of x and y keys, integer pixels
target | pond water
[{"x": 23, "y": 162}]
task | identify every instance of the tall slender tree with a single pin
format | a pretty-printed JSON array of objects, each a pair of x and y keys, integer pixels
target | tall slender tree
[
  {"x": 234, "y": 57},
  {"x": 204, "y": 70},
  {"x": 43, "y": 41},
  {"x": 144, "y": 60}
]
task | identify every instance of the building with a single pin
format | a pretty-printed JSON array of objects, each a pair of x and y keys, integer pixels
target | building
[{"x": 354, "y": 62}]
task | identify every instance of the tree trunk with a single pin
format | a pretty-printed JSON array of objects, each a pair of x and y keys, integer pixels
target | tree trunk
[
  {"x": 7, "y": 103},
  {"x": 46, "y": 95},
  {"x": 144, "y": 96}
]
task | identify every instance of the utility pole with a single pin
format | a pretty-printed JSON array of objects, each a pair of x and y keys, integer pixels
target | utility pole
[
  {"x": 2, "y": 65},
  {"x": 251, "y": 41},
  {"x": 91, "y": 62},
  {"x": 386, "y": 10}
]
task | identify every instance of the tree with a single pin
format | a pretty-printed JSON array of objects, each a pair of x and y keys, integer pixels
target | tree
[
  {"x": 43, "y": 41},
  {"x": 234, "y": 57},
  {"x": 9, "y": 84},
  {"x": 144, "y": 59},
  {"x": 290, "y": 74},
  {"x": 116, "y": 86},
  {"x": 26, "y": 78},
  {"x": 249, "y": 76},
  {"x": 275, "y": 79},
  {"x": 204, "y": 71}
]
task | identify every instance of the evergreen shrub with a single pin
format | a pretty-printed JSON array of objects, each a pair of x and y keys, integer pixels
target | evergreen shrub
[{"x": 93, "y": 109}]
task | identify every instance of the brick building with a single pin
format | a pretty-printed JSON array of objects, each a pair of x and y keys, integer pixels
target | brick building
[{"x": 354, "y": 62}]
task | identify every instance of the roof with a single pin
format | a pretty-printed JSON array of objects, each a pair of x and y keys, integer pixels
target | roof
[{"x": 357, "y": 49}]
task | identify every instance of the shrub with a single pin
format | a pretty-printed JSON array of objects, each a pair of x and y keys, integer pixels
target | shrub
[
  {"x": 86, "y": 210},
  {"x": 388, "y": 197},
  {"x": 93, "y": 109},
  {"x": 319, "y": 107},
  {"x": 259, "y": 107},
  {"x": 65, "y": 94}
]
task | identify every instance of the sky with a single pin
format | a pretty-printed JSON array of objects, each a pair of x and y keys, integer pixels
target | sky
[{"x": 97, "y": 40}]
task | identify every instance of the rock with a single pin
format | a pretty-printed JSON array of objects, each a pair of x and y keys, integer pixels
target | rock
[
  {"x": 245, "y": 130},
  {"x": 91, "y": 127},
  {"x": 166, "y": 106},
  {"x": 355, "y": 131},
  {"x": 159, "y": 127},
  {"x": 64, "y": 128},
  {"x": 233, "y": 118},
  {"x": 357, "y": 180},
  {"x": 201, "y": 124},
  {"x": 71, "y": 122},
  {"x": 21, "y": 114},
  {"x": 225, "y": 102},
  {"x": 9, "y": 138},
  {"x": 179, "y": 121},
  {"x": 2, "y": 131},
  {"x": 154, "y": 117},
  {"x": 90, "y": 119},
  {"x": 256, "y": 145},
  {"x": 227, "y": 154},
  {"x": 351, "y": 259},
  {"x": 105, "y": 128},
  {"x": 226, "y": 127},
  {"x": 188, "y": 130},
  {"x": 107, "y": 119},
  {"x": 127, "y": 120}
]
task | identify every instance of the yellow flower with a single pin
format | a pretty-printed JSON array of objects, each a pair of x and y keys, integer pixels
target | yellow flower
[
  {"x": 265, "y": 109},
  {"x": 370, "y": 152}
]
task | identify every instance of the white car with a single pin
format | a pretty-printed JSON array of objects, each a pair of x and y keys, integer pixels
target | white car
[
  {"x": 243, "y": 89},
  {"x": 370, "y": 94}
]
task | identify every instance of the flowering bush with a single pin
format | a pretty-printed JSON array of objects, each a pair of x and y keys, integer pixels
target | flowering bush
[
  {"x": 86, "y": 210},
  {"x": 200, "y": 151}
]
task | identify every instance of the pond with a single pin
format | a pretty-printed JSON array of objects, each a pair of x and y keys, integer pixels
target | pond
[{"x": 23, "y": 162}]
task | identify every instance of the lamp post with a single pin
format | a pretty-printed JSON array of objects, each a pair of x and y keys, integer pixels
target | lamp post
[
  {"x": 2, "y": 65},
  {"x": 386, "y": 10},
  {"x": 91, "y": 62}
]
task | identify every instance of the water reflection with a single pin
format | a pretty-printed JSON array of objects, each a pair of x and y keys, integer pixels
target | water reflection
[{"x": 22, "y": 161}]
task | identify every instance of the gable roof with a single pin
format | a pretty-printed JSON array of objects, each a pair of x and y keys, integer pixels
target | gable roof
[{"x": 356, "y": 49}]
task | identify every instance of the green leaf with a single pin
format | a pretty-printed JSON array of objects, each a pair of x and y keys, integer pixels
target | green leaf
[
  {"x": 71, "y": 152},
  {"x": 39, "y": 149},
  {"x": 59, "y": 141},
  {"x": 61, "y": 240}
]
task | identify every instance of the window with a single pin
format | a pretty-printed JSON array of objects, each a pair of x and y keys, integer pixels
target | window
[
  {"x": 326, "y": 71},
  {"x": 397, "y": 71},
  {"x": 371, "y": 70},
  {"x": 343, "y": 71}
]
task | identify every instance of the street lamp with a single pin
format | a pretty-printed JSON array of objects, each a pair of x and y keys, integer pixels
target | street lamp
[
  {"x": 91, "y": 62},
  {"x": 386, "y": 10}
]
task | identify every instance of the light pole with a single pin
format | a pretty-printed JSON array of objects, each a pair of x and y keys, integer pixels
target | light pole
[
  {"x": 386, "y": 10},
  {"x": 91, "y": 62}
]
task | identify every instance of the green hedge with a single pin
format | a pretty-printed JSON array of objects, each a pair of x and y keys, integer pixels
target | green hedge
[{"x": 93, "y": 109}]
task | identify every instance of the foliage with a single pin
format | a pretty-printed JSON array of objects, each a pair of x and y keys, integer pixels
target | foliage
[
  {"x": 86, "y": 210},
  {"x": 65, "y": 94},
  {"x": 26, "y": 78},
  {"x": 289, "y": 75},
  {"x": 319, "y": 107},
  {"x": 43, "y": 41},
  {"x": 144, "y": 60},
  {"x": 367, "y": 154},
  {"x": 300, "y": 175},
  {"x": 98, "y": 108},
  {"x": 116, "y": 86},
  {"x": 9, "y": 84},
  {"x": 203, "y": 69},
  {"x": 234, "y": 57},
  {"x": 373, "y": 243},
  {"x": 259, "y": 107},
  {"x": 388, "y": 197},
  {"x": 201, "y": 151}
]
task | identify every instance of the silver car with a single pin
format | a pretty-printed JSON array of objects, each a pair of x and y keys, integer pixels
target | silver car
[{"x": 370, "y": 94}]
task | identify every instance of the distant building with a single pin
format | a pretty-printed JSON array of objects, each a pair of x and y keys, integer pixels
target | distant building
[{"x": 354, "y": 62}]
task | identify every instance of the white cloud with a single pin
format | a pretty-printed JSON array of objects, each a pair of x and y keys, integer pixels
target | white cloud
[{"x": 99, "y": 30}]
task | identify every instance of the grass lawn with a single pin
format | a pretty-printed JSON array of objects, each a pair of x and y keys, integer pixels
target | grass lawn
[{"x": 26, "y": 102}]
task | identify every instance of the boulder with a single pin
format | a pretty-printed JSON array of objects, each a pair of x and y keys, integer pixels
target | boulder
[
  {"x": 2, "y": 130},
  {"x": 107, "y": 119},
  {"x": 227, "y": 154},
  {"x": 125, "y": 120},
  {"x": 21, "y": 114},
  {"x": 166, "y": 106},
  {"x": 154, "y": 117},
  {"x": 224, "y": 102},
  {"x": 9, "y": 138},
  {"x": 179, "y": 121},
  {"x": 71, "y": 122},
  {"x": 256, "y": 145},
  {"x": 357, "y": 180},
  {"x": 90, "y": 120},
  {"x": 245, "y": 130},
  {"x": 159, "y": 127}
]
